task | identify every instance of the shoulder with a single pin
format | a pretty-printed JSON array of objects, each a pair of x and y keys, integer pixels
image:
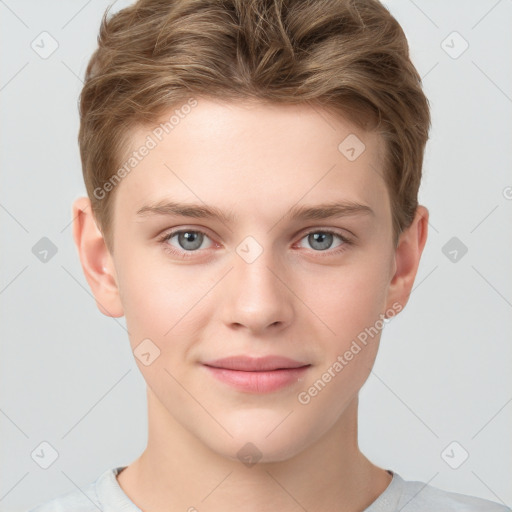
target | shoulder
[
  {"x": 421, "y": 497},
  {"x": 79, "y": 500}
]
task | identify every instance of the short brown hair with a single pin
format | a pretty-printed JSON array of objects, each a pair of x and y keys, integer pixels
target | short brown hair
[{"x": 347, "y": 56}]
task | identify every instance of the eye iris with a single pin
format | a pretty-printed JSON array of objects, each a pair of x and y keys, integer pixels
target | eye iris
[
  {"x": 190, "y": 237},
  {"x": 325, "y": 240}
]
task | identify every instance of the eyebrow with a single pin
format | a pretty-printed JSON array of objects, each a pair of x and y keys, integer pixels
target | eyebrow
[{"x": 318, "y": 212}]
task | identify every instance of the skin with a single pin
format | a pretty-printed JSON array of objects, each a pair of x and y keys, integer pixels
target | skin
[{"x": 296, "y": 299}]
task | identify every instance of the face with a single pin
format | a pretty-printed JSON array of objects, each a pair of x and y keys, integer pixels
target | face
[{"x": 254, "y": 231}]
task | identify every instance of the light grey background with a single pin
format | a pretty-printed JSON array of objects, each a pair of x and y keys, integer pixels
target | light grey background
[{"x": 443, "y": 371}]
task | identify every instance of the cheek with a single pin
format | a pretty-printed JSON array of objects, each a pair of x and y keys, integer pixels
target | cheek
[
  {"x": 350, "y": 305},
  {"x": 348, "y": 299},
  {"x": 153, "y": 298},
  {"x": 163, "y": 301}
]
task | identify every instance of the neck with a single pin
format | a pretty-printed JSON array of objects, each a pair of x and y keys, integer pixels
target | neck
[{"x": 178, "y": 472}]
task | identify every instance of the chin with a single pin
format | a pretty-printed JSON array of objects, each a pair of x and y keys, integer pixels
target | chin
[{"x": 261, "y": 438}]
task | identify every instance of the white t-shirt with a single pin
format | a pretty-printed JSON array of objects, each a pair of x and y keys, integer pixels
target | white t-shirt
[{"x": 106, "y": 495}]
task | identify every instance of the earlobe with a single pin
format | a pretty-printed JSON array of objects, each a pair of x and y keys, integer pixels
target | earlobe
[
  {"x": 95, "y": 258},
  {"x": 407, "y": 258}
]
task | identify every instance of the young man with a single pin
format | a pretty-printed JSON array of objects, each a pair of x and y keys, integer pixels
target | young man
[{"x": 252, "y": 170}]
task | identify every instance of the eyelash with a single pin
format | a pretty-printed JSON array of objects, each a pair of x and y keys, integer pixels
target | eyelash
[{"x": 191, "y": 254}]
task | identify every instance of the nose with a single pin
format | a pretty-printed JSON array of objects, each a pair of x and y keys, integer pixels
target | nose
[{"x": 257, "y": 296}]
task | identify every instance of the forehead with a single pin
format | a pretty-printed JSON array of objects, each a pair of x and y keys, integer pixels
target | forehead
[{"x": 245, "y": 154}]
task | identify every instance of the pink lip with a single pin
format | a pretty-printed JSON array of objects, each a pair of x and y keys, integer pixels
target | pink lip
[{"x": 258, "y": 375}]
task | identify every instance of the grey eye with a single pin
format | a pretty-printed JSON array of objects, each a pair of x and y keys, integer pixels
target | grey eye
[
  {"x": 322, "y": 240},
  {"x": 189, "y": 240}
]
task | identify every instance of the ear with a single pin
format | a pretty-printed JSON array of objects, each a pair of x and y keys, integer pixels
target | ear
[
  {"x": 407, "y": 258},
  {"x": 96, "y": 260}
]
